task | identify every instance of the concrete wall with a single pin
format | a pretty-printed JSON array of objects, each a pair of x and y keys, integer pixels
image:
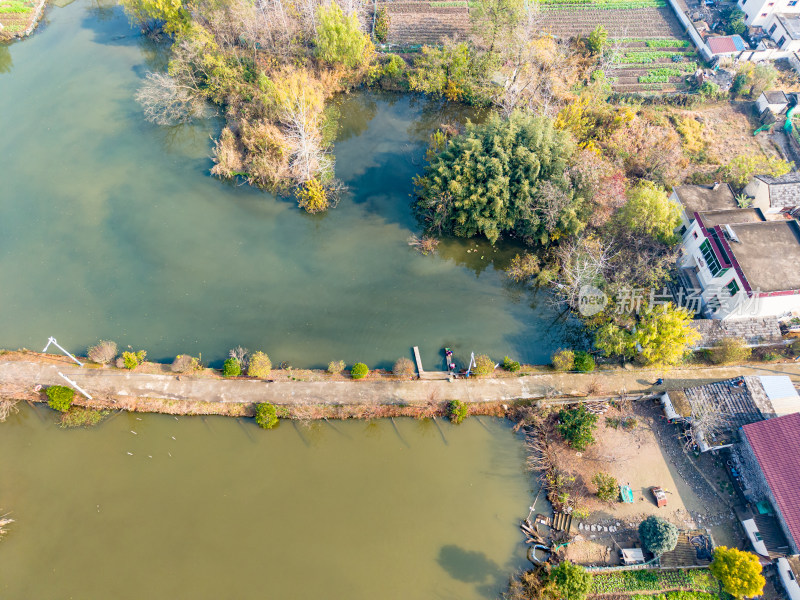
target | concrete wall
[
  {"x": 704, "y": 50},
  {"x": 758, "y": 190}
]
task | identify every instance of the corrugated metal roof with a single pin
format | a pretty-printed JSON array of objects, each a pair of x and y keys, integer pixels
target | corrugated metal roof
[
  {"x": 726, "y": 44},
  {"x": 776, "y": 444},
  {"x": 721, "y": 45},
  {"x": 781, "y": 393}
]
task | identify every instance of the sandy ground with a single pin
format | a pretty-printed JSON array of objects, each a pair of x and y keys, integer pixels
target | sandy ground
[{"x": 650, "y": 454}]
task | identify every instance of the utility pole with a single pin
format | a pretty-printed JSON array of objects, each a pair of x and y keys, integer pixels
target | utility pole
[
  {"x": 75, "y": 385},
  {"x": 52, "y": 340}
]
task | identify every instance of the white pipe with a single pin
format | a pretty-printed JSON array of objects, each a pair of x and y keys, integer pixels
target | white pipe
[
  {"x": 75, "y": 385},
  {"x": 53, "y": 341}
]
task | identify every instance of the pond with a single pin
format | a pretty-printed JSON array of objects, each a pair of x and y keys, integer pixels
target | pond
[
  {"x": 157, "y": 507},
  {"x": 112, "y": 228}
]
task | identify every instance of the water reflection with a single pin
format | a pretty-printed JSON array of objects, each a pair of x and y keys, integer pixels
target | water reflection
[
  {"x": 5, "y": 59},
  {"x": 470, "y": 566}
]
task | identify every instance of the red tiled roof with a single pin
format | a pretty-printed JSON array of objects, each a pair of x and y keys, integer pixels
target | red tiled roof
[
  {"x": 721, "y": 45},
  {"x": 776, "y": 443}
]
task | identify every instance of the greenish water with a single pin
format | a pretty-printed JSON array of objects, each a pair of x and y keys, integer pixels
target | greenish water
[
  {"x": 347, "y": 510},
  {"x": 112, "y": 228}
]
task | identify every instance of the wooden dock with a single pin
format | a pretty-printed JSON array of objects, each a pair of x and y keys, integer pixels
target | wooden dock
[
  {"x": 420, "y": 370},
  {"x": 429, "y": 374}
]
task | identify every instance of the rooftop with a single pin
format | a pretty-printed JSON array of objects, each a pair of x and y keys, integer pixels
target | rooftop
[
  {"x": 704, "y": 198},
  {"x": 768, "y": 254},
  {"x": 791, "y": 23},
  {"x": 784, "y": 191},
  {"x": 734, "y": 401},
  {"x": 725, "y": 44},
  {"x": 713, "y": 218},
  {"x": 791, "y": 177},
  {"x": 776, "y": 445},
  {"x": 776, "y": 97}
]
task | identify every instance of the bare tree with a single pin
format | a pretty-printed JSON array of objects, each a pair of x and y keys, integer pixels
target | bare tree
[
  {"x": 4, "y": 520},
  {"x": 168, "y": 102},
  {"x": 583, "y": 263},
  {"x": 241, "y": 355},
  {"x": 551, "y": 200},
  {"x": 8, "y": 407},
  {"x": 103, "y": 352}
]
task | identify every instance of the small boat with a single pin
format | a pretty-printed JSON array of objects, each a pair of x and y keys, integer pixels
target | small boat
[{"x": 626, "y": 493}]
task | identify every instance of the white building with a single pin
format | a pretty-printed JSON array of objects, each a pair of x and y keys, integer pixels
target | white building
[
  {"x": 775, "y": 101},
  {"x": 779, "y": 18},
  {"x": 775, "y": 194},
  {"x": 739, "y": 264}
]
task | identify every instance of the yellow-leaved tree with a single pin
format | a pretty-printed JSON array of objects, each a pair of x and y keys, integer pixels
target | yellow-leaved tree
[
  {"x": 170, "y": 15},
  {"x": 738, "y": 571}
]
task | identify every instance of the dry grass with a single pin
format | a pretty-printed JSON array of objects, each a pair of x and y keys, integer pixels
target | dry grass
[
  {"x": 4, "y": 521},
  {"x": 8, "y": 407}
]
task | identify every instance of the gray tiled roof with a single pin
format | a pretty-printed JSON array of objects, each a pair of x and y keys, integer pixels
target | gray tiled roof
[
  {"x": 737, "y": 405},
  {"x": 784, "y": 190},
  {"x": 756, "y": 331},
  {"x": 776, "y": 97}
]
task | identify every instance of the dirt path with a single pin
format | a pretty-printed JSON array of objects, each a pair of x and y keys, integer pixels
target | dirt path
[{"x": 19, "y": 376}]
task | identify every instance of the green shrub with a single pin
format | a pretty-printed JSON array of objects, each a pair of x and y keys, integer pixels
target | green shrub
[
  {"x": 771, "y": 357},
  {"x": 658, "y": 535},
  {"x": 394, "y": 67},
  {"x": 709, "y": 90},
  {"x": 597, "y": 40},
  {"x": 131, "y": 360},
  {"x": 511, "y": 365},
  {"x": 607, "y": 487},
  {"x": 260, "y": 365},
  {"x": 339, "y": 39},
  {"x": 359, "y": 371},
  {"x": 729, "y": 350},
  {"x": 59, "y": 397},
  {"x": 336, "y": 366},
  {"x": 231, "y": 368},
  {"x": 573, "y": 581},
  {"x": 266, "y": 415},
  {"x": 563, "y": 360},
  {"x": 577, "y": 427},
  {"x": 381, "y": 29},
  {"x": 456, "y": 411},
  {"x": 82, "y": 417},
  {"x": 584, "y": 362},
  {"x": 483, "y": 366},
  {"x": 654, "y": 581}
]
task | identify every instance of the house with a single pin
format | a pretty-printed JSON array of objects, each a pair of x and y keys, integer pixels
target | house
[
  {"x": 775, "y": 101},
  {"x": 726, "y": 45},
  {"x": 714, "y": 413},
  {"x": 631, "y": 556},
  {"x": 769, "y": 453},
  {"x": 784, "y": 29},
  {"x": 737, "y": 264},
  {"x": 775, "y": 194},
  {"x": 778, "y": 18}
]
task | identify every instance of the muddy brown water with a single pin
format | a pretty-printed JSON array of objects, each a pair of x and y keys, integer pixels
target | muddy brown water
[{"x": 152, "y": 506}]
